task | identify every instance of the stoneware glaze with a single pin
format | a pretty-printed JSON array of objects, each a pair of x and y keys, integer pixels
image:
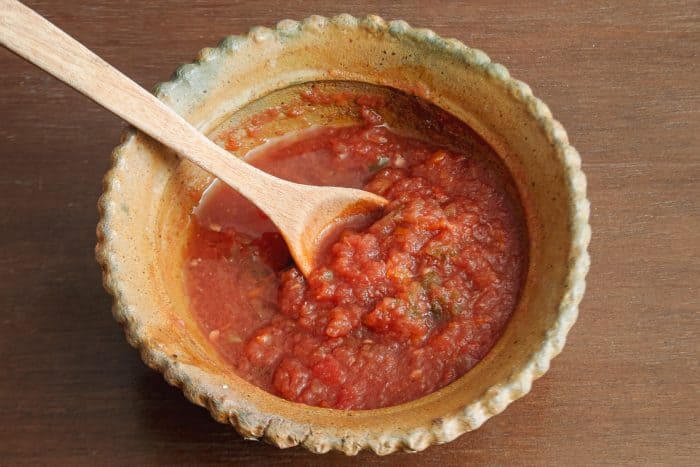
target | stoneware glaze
[{"x": 149, "y": 193}]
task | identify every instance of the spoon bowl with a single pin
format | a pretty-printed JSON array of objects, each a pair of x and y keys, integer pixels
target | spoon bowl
[{"x": 325, "y": 210}]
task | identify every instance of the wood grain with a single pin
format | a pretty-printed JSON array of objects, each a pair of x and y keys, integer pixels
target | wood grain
[
  {"x": 301, "y": 213},
  {"x": 624, "y": 79}
]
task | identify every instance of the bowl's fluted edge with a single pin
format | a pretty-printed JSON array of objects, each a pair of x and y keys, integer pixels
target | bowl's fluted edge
[{"x": 497, "y": 398}]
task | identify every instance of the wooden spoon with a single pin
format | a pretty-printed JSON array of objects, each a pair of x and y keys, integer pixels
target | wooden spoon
[{"x": 302, "y": 213}]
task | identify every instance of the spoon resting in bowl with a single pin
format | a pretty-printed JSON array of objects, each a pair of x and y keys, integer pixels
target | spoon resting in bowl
[{"x": 303, "y": 214}]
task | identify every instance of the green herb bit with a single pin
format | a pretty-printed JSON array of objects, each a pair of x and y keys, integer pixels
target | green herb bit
[
  {"x": 382, "y": 161},
  {"x": 442, "y": 252},
  {"x": 430, "y": 279},
  {"x": 414, "y": 297},
  {"x": 414, "y": 312},
  {"x": 436, "y": 309}
]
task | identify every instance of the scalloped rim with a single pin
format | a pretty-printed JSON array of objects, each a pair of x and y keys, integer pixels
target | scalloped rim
[{"x": 498, "y": 397}]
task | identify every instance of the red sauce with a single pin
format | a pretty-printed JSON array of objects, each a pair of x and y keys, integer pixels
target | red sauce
[{"x": 395, "y": 311}]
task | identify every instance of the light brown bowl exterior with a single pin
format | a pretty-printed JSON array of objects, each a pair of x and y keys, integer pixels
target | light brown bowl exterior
[{"x": 145, "y": 206}]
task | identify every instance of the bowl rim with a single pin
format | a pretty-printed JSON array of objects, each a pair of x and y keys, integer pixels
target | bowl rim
[{"x": 490, "y": 403}]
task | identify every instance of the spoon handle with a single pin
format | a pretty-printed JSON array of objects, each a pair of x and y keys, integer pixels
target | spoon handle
[{"x": 37, "y": 40}]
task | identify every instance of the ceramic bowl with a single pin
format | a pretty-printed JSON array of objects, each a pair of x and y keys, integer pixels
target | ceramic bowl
[{"x": 149, "y": 193}]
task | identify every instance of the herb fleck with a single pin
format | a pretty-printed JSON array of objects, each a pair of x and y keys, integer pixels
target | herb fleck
[{"x": 382, "y": 161}]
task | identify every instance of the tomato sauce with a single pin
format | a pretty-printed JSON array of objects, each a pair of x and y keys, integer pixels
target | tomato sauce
[{"x": 394, "y": 311}]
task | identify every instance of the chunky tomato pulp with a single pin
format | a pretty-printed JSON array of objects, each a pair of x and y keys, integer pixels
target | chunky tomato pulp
[{"x": 395, "y": 311}]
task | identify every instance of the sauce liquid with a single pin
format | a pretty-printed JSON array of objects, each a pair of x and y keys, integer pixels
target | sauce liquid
[{"x": 394, "y": 311}]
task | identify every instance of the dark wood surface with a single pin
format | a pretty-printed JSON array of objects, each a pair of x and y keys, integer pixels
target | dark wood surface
[{"x": 624, "y": 79}]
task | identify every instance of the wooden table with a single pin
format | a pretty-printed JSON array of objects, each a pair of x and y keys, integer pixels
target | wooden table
[{"x": 624, "y": 80}]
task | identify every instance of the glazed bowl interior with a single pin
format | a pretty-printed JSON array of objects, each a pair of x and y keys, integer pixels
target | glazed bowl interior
[{"x": 150, "y": 193}]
